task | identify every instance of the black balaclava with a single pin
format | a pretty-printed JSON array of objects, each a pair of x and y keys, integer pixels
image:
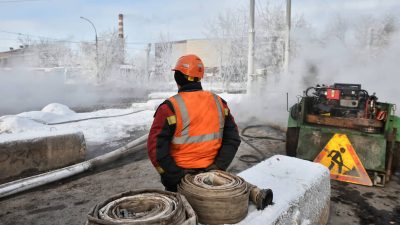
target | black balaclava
[{"x": 181, "y": 79}]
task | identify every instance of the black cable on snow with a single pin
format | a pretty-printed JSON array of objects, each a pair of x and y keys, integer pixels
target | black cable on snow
[{"x": 84, "y": 119}]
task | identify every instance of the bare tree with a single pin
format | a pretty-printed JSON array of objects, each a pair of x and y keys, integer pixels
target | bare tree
[
  {"x": 375, "y": 33},
  {"x": 163, "y": 58},
  {"x": 47, "y": 52},
  {"x": 110, "y": 55},
  {"x": 229, "y": 30},
  {"x": 232, "y": 28},
  {"x": 337, "y": 29},
  {"x": 270, "y": 26}
]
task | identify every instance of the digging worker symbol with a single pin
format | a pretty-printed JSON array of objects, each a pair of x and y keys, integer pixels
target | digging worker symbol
[
  {"x": 192, "y": 131},
  {"x": 337, "y": 159}
]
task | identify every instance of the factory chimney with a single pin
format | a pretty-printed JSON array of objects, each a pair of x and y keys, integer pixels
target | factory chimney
[
  {"x": 121, "y": 26},
  {"x": 121, "y": 38}
]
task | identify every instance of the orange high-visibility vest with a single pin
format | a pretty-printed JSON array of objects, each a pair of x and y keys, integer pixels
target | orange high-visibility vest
[{"x": 200, "y": 118}]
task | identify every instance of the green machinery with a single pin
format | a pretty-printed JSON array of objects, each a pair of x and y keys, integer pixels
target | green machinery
[{"x": 371, "y": 127}]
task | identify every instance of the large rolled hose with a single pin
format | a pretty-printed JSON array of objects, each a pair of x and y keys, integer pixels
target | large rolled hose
[
  {"x": 143, "y": 207},
  {"x": 217, "y": 197}
]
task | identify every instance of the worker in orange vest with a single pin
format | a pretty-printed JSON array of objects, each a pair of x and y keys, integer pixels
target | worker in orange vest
[{"x": 192, "y": 131}]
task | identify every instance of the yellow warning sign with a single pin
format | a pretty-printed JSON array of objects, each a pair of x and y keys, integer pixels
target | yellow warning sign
[{"x": 342, "y": 161}]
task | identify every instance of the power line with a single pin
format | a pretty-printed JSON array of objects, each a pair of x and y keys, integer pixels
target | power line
[
  {"x": 7, "y": 39},
  {"x": 38, "y": 36},
  {"x": 137, "y": 43},
  {"x": 63, "y": 40},
  {"x": 139, "y": 49}
]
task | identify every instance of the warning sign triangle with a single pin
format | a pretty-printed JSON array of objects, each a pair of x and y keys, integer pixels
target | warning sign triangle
[{"x": 342, "y": 161}]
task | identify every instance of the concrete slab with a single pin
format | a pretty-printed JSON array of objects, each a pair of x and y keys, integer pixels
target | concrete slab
[
  {"x": 26, "y": 155},
  {"x": 301, "y": 191}
]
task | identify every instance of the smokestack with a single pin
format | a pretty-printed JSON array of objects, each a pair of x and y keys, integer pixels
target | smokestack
[
  {"x": 121, "y": 38},
  {"x": 121, "y": 26}
]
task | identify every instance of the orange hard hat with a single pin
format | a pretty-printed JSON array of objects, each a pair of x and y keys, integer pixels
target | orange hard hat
[{"x": 190, "y": 65}]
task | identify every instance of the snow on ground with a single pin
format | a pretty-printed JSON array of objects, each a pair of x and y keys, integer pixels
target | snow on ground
[
  {"x": 26, "y": 136},
  {"x": 161, "y": 95},
  {"x": 151, "y": 104},
  {"x": 29, "y": 124},
  {"x": 17, "y": 124},
  {"x": 100, "y": 130}
]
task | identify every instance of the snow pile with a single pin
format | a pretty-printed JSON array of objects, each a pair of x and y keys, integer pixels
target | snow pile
[
  {"x": 113, "y": 124},
  {"x": 58, "y": 109},
  {"x": 17, "y": 124},
  {"x": 26, "y": 136},
  {"x": 301, "y": 191},
  {"x": 151, "y": 104},
  {"x": 51, "y": 113},
  {"x": 161, "y": 95},
  {"x": 58, "y": 113},
  {"x": 42, "y": 117}
]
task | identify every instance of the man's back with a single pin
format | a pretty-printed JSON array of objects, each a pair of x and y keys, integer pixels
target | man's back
[{"x": 199, "y": 129}]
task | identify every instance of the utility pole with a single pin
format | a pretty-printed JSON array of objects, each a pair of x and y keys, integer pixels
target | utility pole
[
  {"x": 370, "y": 38},
  {"x": 148, "y": 49},
  {"x": 250, "y": 59},
  {"x": 287, "y": 39},
  {"x": 97, "y": 48}
]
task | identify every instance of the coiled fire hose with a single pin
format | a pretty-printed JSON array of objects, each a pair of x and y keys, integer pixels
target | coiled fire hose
[
  {"x": 143, "y": 207},
  {"x": 219, "y": 197}
]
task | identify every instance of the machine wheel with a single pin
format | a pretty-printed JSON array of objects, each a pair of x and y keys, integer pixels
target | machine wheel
[
  {"x": 396, "y": 158},
  {"x": 292, "y": 139}
]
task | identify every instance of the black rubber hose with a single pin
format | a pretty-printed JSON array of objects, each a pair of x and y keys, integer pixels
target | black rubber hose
[
  {"x": 95, "y": 118},
  {"x": 260, "y": 137},
  {"x": 249, "y": 158}
]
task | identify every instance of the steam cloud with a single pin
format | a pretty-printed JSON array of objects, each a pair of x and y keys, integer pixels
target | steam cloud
[
  {"x": 23, "y": 90},
  {"x": 370, "y": 60}
]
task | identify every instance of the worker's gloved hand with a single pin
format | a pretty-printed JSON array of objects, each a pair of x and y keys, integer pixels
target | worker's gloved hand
[
  {"x": 211, "y": 167},
  {"x": 261, "y": 197},
  {"x": 171, "y": 180}
]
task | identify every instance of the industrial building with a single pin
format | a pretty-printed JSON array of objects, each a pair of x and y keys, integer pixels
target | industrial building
[{"x": 14, "y": 57}]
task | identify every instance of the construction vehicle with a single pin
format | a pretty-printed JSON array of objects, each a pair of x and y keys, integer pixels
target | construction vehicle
[{"x": 370, "y": 127}]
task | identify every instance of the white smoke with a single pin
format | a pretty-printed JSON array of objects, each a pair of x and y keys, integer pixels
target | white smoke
[{"x": 23, "y": 90}]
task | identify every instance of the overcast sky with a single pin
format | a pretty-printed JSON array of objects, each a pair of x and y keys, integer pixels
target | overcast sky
[{"x": 146, "y": 19}]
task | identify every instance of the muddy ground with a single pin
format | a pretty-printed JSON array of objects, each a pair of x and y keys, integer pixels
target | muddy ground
[{"x": 68, "y": 201}]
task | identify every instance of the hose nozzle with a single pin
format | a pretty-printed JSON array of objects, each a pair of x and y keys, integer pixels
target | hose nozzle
[{"x": 261, "y": 197}]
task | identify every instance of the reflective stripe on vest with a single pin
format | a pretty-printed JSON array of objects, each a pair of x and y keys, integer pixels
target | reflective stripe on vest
[{"x": 185, "y": 138}]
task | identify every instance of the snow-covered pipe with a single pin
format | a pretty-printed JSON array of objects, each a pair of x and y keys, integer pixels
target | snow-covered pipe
[
  {"x": 41, "y": 179},
  {"x": 45, "y": 178}
]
